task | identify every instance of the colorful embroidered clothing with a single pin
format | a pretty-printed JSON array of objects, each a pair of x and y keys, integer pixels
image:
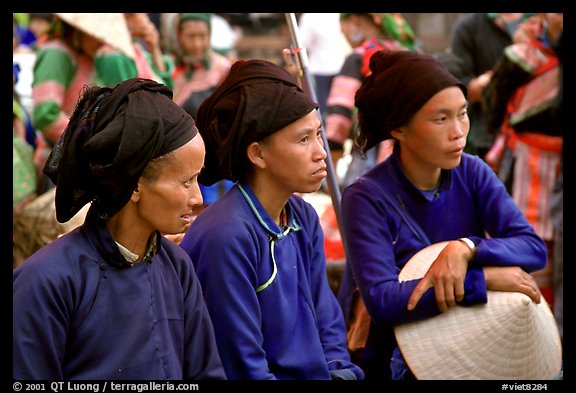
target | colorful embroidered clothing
[
  {"x": 59, "y": 76},
  {"x": 522, "y": 94},
  {"x": 478, "y": 39},
  {"x": 114, "y": 66},
  {"x": 341, "y": 110},
  {"x": 266, "y": 288},
  {"x": 191, "y": 87},
  {"x": 23, "y": 167}
]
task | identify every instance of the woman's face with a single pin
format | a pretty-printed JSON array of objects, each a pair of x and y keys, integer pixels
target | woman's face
[
  {"x": 166, "y": 202},
  {"x": 294, "y": 156},
  {"x": 194, "y": 38},
  {"x": 352, "y": 30},
  {"x": 555, "y": 23},
  {"x": 435, "y": 137},
  {"x": 528, "y": 30},
  {"x": 89, "y": 44}
]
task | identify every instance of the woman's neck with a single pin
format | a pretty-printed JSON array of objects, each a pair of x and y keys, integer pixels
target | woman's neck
[
  {"x": 271, "y": 198},
  {"x": 423, "y": 177},
  {"x": 130, "y": 233}
]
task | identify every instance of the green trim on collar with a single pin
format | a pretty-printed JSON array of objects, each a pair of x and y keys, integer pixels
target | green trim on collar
[{"x": 278, "y": 235}]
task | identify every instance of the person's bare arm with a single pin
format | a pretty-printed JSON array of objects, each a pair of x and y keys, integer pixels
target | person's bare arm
[{"x": 145, "y": 29}]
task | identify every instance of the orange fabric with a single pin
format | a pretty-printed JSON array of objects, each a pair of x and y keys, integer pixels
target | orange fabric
[
  {"x": 541, "y": 141},
  {"x": 532, "y": 208},
  {"x": 333, "y": 246},
  {"x": 357, "y": 333}
]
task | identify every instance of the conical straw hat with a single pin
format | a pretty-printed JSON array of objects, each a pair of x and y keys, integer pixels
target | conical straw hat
[
  {"x": 110, "y": 28},
  {"x": 509, "y": 337}
]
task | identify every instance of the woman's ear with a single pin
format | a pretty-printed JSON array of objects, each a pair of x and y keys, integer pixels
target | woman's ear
[
  {"x": 136, "y": 193},
  {"x": 255, "y": 155},
  {"x": 398, "y": 133}
]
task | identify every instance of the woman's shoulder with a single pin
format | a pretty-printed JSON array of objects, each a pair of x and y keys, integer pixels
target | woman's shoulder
[
  {"x": 475, "y": 171},
  {"x": 473, "y": 162},
  {"x": 53, "y": 46},
  {"x": 301, "y": 204},
  {"x": 227, "y": 216},
  {"x": 58, "y": 259}
]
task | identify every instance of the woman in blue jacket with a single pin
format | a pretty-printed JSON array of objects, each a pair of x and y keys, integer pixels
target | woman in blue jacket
[
  {"x": 426, "y": 192},
  {"x": 259, "y": 249},
  {"x": 114, "y": 299}
]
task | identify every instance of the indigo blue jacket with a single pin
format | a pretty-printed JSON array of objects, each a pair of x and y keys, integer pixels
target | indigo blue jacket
[
  {"x": 78, "y": 315},
  {"x": 266, "y": 288},
  {"x": 471, "y": 202}
]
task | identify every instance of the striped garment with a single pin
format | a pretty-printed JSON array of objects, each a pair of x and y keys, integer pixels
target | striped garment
[
  {"x": 341, "y": 109},
  {"x": 536, "y": 169},
  {"x": 59, "y": 76},
  {"x": 533, "y": 133},
  {"x": 113, "y": 66},
  {"x": 201, "y": 80}
]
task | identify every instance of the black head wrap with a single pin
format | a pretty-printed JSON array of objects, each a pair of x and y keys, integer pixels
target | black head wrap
[
  {"x": 400, "y": 83},
  {"x": 256, "y": 99},
  {"x": 110, "y": 138}
]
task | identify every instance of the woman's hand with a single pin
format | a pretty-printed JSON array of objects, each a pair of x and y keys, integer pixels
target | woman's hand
[
  {"x": 512, "y": 279},
  {"x": 446, "y": 275},
  {"x": 290, "y": 65}
]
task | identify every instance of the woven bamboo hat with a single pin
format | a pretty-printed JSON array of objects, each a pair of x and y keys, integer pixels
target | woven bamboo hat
[
  {"x": 509, "y": 337},
  {"x": 110, "y": 28}
]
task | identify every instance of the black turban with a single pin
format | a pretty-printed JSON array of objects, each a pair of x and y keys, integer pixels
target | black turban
[
  {"x": 400, "y": 83},
  {"x": 110, "y": 138},
  {"x": 256, "y": 99}
]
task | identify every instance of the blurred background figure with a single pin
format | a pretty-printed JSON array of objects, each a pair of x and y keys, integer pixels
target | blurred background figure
[
  {"x": 223, "y": 37},
  {"x": 199, "y": 68},
  {"x": 479, "y": 40},
  {"x": 39, "y": 24},
  {"x": 199, "y": 71},
  {"x": 326, "y": 45},
  {"x": 557, "y": 204},
  {"x": 30, "y": 27},
  {"x": 24, "y": 172},
  {"x": 29, "y": 32},
  {"x": 64, "y": 63},
  {"x": 522, "y": 110},
  {"x": 149, "y": 62},
  {"x": 367, "y": 34}
]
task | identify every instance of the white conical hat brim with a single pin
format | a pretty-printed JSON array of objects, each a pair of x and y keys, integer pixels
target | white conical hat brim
[
  {"x": 509, "y": 337},
  {"x": 110, "y": 28}
]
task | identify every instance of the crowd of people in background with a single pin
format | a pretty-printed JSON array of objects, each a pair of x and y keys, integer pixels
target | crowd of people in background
[{"x": 507, "y": 67}]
